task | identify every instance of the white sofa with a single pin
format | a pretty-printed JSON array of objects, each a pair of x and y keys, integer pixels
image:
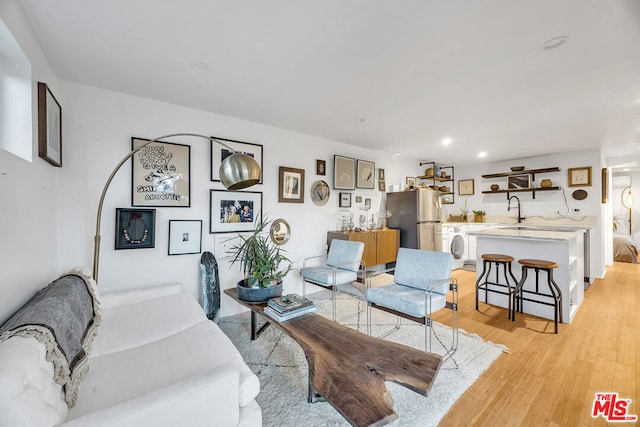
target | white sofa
[{"x": 155, "y": 360}]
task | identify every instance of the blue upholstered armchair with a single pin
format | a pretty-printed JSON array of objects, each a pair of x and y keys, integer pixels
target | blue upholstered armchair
[
  {"x": 341, "y": 266},
  {"x": 421, "y": 284}
]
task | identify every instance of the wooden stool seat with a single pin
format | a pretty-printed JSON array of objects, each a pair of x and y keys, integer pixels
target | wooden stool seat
[
  {"x": 538, "y": 263},
  {"x": 497, "y": 257}
]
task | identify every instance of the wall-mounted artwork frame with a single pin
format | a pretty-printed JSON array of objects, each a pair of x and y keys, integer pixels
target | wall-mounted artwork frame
[
  {"x": 49, "y": 126},
  {"x": 579, "y": 177},
  {"x": 185, "y": 236},
  {"x": 290, "y": 185},
  {"x": 344, "y": 200},
  {"x": 321, "y": 167},
  {"x": 135, "y": 228},
  {"x": 466, "y": 187},
  {"x": 380, "y": 174},
  {"x": 517, "y": 182},
  {"x": 219, "y": 153},
  {"x": 410, "y": 181},
  {"x": 382, "y": 186},
  {"x": 160, "y": 174},
  {"x": 343, "y": 173},
  {"x": 234, "y": 211},
  {"x": 366, "y": 176}
]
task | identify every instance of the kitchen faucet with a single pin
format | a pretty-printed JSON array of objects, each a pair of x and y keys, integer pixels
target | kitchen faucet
[{"x": 520, "y": 217}]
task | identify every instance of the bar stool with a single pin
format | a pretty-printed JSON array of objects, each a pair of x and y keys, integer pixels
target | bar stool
[
  {"x": 499, "y": 260},
  {"x": 518, "y": 295}
]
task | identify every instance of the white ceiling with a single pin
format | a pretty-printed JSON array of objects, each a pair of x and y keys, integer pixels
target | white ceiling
[{"x": 415, "y": 70}]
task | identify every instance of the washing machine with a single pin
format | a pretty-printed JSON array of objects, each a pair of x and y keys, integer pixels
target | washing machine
[{"x": 454, "y": 241}]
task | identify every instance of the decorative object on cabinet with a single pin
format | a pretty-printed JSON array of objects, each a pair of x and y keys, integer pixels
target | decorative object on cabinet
[
  {"x": 465, "y": 210},
  {"x": 219, "y": 154},
  {"x": 439, "y": 174},
  {"x": 579, "y": 177},
  {"x": 343, "y": 170},
  {"x": 291, "y": 185},
  {"x": 49, "y": 126},
  {"x": 135, "y": 228},
  {"x": 380, "y": 246},
  {"x": 517, "y": 168},
  {"x": 345, "y": 200},
  {"x": 478, "y": 216},
  {"x": 321, "y": 167},
  {"x": 185, "y": 236},
  {"x": 382, "y": 186},
  {"x": 580, "y": 194},
  {"x": 234, "y": 211},
  {"x": 531, "y": 174},
  {"x": 320, "y": 192},
  {"x": 465, "y": 187},
  {"x": 411, "y": 181},
  {"x": 160, "y": 174},
  {"x": 605, "y": 185},
  {"x": 280, "y": 231},
  {"x": 380, "y": 174},
  {"x": 366, "y": 174}
]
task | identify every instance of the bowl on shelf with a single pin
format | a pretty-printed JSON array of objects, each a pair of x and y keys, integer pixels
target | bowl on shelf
[
  {"x": 517, "y": 168},
  {"x": 546, "y": 183},
  {"x": 495, "y": 187}
]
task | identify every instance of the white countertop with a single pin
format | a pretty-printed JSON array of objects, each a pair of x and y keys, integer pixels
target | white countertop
[{"x": 513, "y": 232}]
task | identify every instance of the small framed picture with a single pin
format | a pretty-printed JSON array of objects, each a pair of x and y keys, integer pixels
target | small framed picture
[
  {"x": 49, "y": 126},
  {"x": 234, "y": 211},
  {"x": 517, "y": 182},
  {"x": 358, "y": 199},
  {"x": 219, "y": 153},
  {"x": 291, "y": 185},
  {"x": 185, "y": 236},
  {"x": 345, "y": 200},
  {"x": 321, "y": 167},
  {"x": 343, "y": 169},
  {"x": 579, "y": 177},
  {"x": 380, "y": 174},
  {"x": 135, "y": 228},
  {"x": 411, "y": 181},
  {"x": 465, "y": 187},
  {"x": 382, "y": 186},
  {"x": 366, "y": 174}
]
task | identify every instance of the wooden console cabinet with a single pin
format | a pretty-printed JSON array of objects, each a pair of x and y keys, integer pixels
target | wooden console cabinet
[{"x": 380, "y": 246}]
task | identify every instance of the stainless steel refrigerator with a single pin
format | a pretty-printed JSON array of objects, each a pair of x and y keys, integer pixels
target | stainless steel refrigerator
[{"x": 418, "y": 215}]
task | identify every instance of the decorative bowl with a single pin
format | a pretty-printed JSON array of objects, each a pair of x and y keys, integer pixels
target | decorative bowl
[
  {"x": 546, "y": 183},
  {"x": 517, "y": 168},
  {"x": 495, "y": 187}
]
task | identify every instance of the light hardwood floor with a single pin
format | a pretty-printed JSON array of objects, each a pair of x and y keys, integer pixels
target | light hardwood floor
[{"x": 549, "y": 379}]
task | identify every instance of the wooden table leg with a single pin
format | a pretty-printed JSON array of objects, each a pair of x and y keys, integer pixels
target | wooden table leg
[{"x": 255, "y": 331}]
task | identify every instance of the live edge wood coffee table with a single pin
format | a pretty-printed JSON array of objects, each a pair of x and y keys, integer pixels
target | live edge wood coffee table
[{"x": 349, "y": 368}]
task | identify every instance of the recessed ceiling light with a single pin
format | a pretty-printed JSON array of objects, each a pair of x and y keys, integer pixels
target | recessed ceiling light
[
  {"x": 482, "y": 154},
  {"x": 201, "y": 67},
  {"x": 360, "y": 120},
  {"x": 447, "y": 141},
  {"x": 554, "y": 43}
]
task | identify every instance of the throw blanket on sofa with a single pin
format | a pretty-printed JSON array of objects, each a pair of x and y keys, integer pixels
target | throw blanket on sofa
[{"x": 63, "y": 316}]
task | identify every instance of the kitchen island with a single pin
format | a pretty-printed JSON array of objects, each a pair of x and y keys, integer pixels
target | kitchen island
[{"x": 565, "y": 247}]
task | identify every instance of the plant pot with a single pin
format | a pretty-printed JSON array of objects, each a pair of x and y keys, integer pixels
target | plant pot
[
  {"x": 257, "y": 294},
  {"x": 478, "y": 218}
]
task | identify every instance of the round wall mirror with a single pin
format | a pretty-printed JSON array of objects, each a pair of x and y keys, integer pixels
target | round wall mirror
[{"x": 280, "y": 231}]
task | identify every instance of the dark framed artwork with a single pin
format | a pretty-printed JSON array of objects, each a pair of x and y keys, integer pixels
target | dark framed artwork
[
  {"x": 366, "y": 174},
  {"x": 345, "y": 200},
  {"x": 185, "y": 236},
  {"x": 160, "y": 174},
  {"x": 516, "y": 182},
  {"x": 382, "y": 186},
  {"x": 291, "y": 185},
  {"x": 234, "y": 211},
  {"x": 219, "y": 153},
  {"x": 49, "y": 126},
  {"x": 380, "y": 174},
  {"x": 135, "y": 228},
  {"x": 343, "y": 173},
  {"x": 321, "y": 167}
]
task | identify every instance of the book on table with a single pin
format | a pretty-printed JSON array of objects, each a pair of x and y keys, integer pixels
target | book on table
[
  {"x": 281, "y": 317},
  {"x": 288, "y": 303}
]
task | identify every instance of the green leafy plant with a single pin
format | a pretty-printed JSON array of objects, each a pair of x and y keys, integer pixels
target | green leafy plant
[
  {"x": 479, "y": 213},
  {"x": 262, "y": 261}
]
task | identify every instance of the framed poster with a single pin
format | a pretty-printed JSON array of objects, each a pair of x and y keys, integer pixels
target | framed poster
[
  {"x": 345, "y": 200},
  {"x": 465, "y": 187},
  {"x": 49, "y": 126},
  {"x": 291, "y": 185},
  {"x": 234, "y": 211},
  {"x": 135, "y": 228},
  {"x": 343, "y": 170},
  {"x": 366, "y": 174},
  {"x": 185, "y": 236},
  {"x": 219, "y": 153},
  {"x": 160, "y": 174},
  {"x": 579, "y": 177}
]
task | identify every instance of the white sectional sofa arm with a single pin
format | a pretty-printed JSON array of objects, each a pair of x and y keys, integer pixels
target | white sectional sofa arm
[
  {"x": 209, "y": 398},
  {"x": 136, "y": 296}
]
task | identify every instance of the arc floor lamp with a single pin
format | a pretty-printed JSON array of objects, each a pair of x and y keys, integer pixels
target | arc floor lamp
[{"x": 237, "y": 171}]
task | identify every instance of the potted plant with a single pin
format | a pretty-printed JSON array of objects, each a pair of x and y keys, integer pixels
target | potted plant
[
  {"x": 464, "y": 211},
  {"x": 479, "y": 215},
  {"x": 263, "y": 263}
]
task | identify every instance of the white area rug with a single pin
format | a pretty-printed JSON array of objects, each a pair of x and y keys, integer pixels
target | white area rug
[{"x": 282, "y": 368}]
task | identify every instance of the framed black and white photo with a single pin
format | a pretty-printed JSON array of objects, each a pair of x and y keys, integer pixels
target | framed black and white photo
[
  {"x": 517, "y": 182},
  {"x": 160, "y": 174},
  {"x": 234, "y": 211},
  {"x": 185, "y": 236},
  {"x": 321, "y": 167},
  {"x": 343, "y": 173},
  {"x": 219, "y": 153},
  {"x": 366, "y": 174},
  {"x": 290, "y": 185},
  {"x": 49, "y": 126},
  {"x": 345, "y": 200},
  {"x": 135, "y": 228}
]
